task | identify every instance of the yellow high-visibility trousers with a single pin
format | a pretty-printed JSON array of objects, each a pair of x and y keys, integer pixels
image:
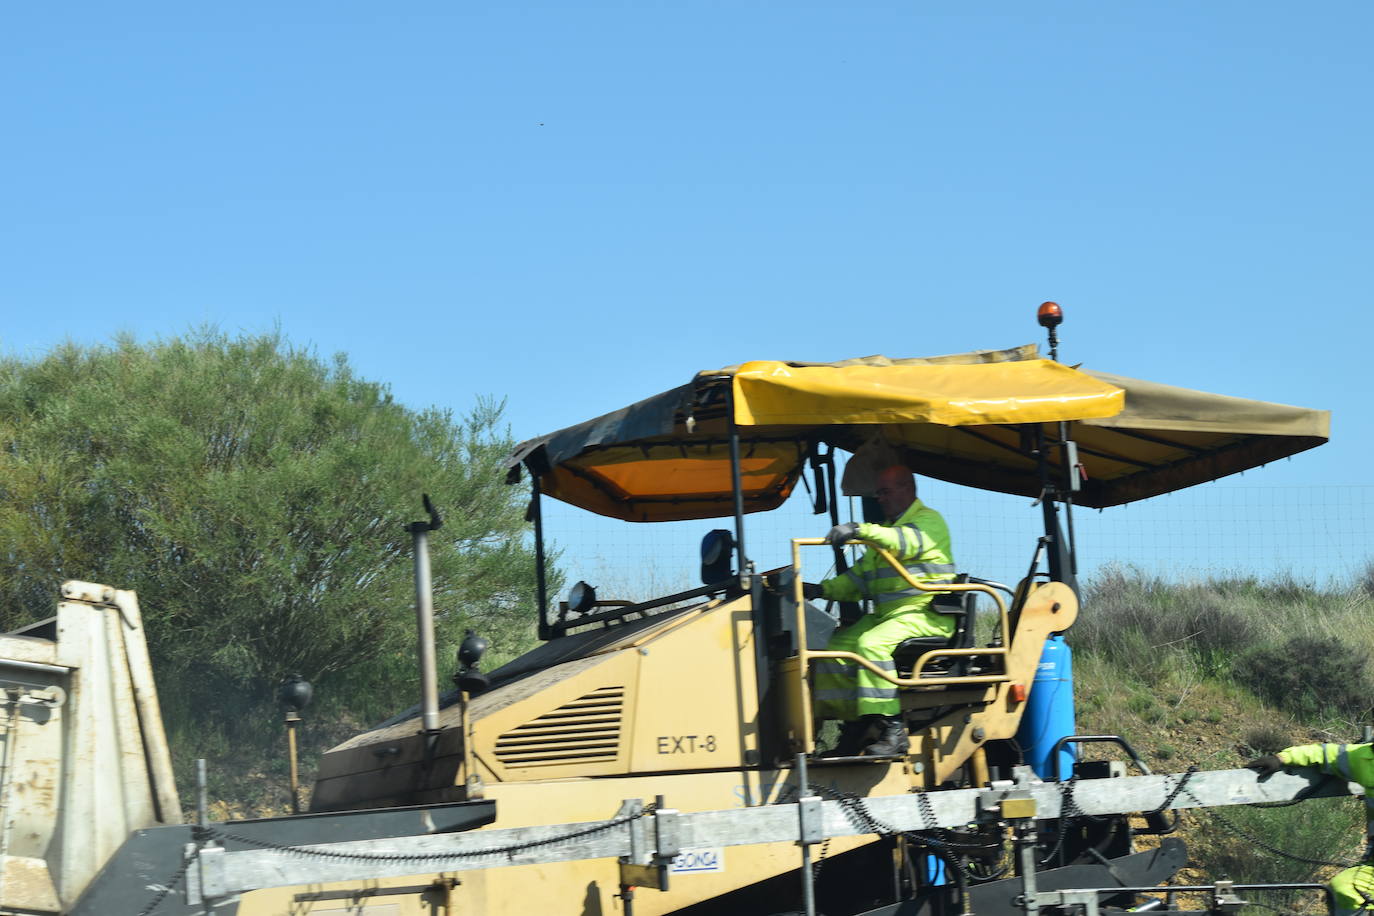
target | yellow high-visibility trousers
[{"x": 844, "y": 690}]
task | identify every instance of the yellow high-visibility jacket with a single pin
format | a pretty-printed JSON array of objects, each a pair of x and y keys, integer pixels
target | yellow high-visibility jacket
[{"x": 919, "y": 538}]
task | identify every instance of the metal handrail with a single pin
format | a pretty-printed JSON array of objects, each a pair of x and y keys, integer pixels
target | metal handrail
[{"x": 806, "y": 655}]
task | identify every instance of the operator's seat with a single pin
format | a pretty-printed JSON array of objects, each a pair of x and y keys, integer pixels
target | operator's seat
[{"x": 958, "y": 605}]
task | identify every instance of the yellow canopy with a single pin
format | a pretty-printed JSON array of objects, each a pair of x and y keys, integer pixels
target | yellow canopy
[
  {"x": 968, "y": 419},
  {"x": 1031, "y": 391}
]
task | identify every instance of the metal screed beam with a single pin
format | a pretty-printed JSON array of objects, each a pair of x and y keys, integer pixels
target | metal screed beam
[{"x": 219, "y": 873}]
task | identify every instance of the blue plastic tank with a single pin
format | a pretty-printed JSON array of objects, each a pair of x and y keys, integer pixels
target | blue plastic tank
[
  {"x": 1049, "y": 713},
  {"x": 934, "y": 871}
]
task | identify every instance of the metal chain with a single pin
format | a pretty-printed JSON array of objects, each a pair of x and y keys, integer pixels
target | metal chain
[
  {"x": 509, "y": 851},
  {"x": 939, "y": 840},
  {"x": 1173, "y": 796},
  {"x": 1267, "y": 847},
  {"x": 927, "y": 811},
  {"x": 210, "y": 833},
  {"x": 1068, "y": 808},
  {"x": 857, "y": 813},
  {"x": 854, "y": 809}
]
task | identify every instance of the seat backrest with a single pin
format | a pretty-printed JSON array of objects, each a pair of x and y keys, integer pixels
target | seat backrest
[{"x": 958, "y": 605}]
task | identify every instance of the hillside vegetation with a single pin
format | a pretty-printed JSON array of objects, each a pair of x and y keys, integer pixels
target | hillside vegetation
[{"x": 1214, "y": 673}]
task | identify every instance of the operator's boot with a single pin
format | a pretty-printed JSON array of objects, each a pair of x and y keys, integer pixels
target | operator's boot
[
  {"x": 853, "y": 736},
  {"x": 892, "y": 740}
]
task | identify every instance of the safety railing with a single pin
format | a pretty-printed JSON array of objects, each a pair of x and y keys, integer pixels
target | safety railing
[{"x": 805, "y": 655}]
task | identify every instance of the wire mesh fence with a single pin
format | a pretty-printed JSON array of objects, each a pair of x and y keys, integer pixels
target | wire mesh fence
[{"x": 1318, "y": 535}]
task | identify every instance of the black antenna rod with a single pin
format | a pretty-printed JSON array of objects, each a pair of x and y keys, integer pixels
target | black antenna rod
[{"x": 1050, "y": 316}]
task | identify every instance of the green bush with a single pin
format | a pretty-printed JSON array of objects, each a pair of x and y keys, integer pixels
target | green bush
[
  {"x": 1138, "y": 620},
  {"x": 1267, "y": 739},
  {"x": 1311, "y": 676}
]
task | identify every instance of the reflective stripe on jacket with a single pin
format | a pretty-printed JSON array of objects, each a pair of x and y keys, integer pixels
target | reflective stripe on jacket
[{"x": 919, "y": 538}]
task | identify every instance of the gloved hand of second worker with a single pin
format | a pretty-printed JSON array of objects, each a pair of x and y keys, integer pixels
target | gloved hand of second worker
[
  {"x": 1267, "y": 765},
  {"x": 812, "y": 590},
  {"x": 843, "y": 533}
]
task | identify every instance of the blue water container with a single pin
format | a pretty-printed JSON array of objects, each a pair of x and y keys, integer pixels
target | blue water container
[
  {"x": 934, "y": 871},
  {"x": 1049, "y": 713}
]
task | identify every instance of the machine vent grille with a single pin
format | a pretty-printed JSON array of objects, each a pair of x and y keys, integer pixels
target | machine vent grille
[{"x": 585, "y": 730}]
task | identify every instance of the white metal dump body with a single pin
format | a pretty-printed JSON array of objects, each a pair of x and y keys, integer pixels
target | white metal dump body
[{"x": 83, "y": 757}]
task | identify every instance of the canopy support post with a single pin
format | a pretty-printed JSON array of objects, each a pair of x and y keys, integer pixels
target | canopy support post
[
  {"x": 1070, "y": 469},
  {"x": 737, "y": 482},
  {"x": 1061, "y": 563},
  {"x": 841, "y": 563},
  {"x": 541, "y": 585}
]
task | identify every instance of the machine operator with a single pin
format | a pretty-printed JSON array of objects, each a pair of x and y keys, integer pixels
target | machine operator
[{"x": 866, "y": 705}]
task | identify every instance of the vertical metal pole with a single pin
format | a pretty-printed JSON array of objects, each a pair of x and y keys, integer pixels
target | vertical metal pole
[
  {"x": 541, "y": 584},
  {"x": 737, "y": 481},
  {"x": 808, "y": 879},
  {"x": 841, "y": 563},
  {"x": 292, "y": 720},
  {"x": 1070, "y": 548},
  {"x": 1025, "y": 849},
  {"x": 1072, "y": 545},
  {"x": 424, "y": 622},
  {"x": 1069, "y": 472},
  {"x": 1047, "y": 507},
  {"x": 202, "y": 803},
  {"x": 808, "y": 727},
  {"x": 470, "y": 780}
]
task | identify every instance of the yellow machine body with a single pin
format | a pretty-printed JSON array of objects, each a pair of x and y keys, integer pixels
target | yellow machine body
[{"x": 667, "y": 709}]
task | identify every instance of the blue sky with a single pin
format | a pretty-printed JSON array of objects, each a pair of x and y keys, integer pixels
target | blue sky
[{"x": 577, "y": 205}]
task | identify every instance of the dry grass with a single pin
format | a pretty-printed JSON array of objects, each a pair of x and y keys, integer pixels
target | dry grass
[{"x": 1302, "y": 648}]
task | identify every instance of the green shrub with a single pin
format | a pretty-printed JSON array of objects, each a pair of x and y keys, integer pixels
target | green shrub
[
  {"x": 1364, "y": 581},
  {"x": 1142, "y": 622},
  {"x": 1310, "y": 676},
  {"x": 1267, "y": 739}
]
